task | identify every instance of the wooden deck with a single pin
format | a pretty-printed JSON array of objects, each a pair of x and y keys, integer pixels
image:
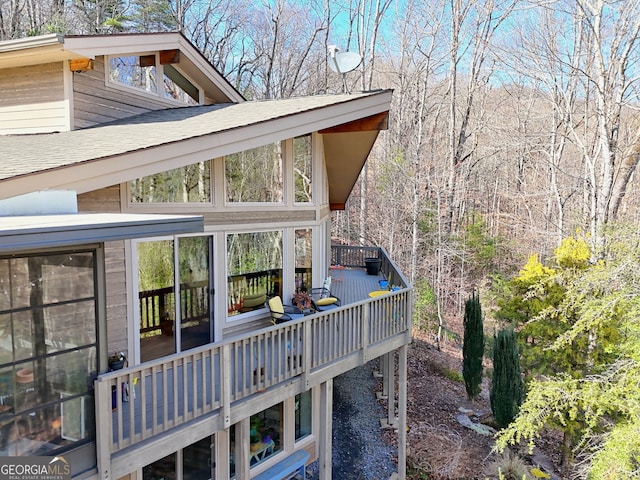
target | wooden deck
[
  {"x": 218, "y": 383},
  {"x": 355, "y": 284}
]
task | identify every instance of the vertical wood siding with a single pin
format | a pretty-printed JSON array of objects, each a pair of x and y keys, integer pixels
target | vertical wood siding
[
  {"x": 32, "y": 99},
  {"x": 107, "y": 200}
]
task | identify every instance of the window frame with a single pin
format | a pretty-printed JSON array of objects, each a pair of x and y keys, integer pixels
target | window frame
[
  {"x": 231, "y": 299},
  {"x": 81, "y": 453},
  {"x": 159, "y": 94}
]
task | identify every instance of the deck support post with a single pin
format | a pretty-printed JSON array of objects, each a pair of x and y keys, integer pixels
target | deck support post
[
  {"x": 326, "y": 430},
  {"x": 402, "y": 412},
  {"x": 389, "y": 375}
]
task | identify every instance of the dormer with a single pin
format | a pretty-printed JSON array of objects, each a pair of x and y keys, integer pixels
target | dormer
[{"x": 58, "y": 83}]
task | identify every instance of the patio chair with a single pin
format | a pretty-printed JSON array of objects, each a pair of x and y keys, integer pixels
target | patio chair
[
  {"x": 323, "y": 300},
  {"x": 281, "y": 313}
]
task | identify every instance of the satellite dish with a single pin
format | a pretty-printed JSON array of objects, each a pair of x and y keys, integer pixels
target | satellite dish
[{"x": 343, "y": 62}]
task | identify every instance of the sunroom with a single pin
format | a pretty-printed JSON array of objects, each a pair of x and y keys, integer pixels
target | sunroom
[{"x": 53, "y": 324}]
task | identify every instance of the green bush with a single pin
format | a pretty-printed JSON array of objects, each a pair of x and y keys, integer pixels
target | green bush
[
  {"x": 507, "y": 388},
  {"x": 473, "y": 347}
]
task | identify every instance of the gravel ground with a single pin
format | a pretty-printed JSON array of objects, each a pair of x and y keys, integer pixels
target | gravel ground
[{"x": 359, "y": 453}]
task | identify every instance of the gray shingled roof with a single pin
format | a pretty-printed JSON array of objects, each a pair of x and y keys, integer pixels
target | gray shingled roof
[{"x": 24, "y": 154}]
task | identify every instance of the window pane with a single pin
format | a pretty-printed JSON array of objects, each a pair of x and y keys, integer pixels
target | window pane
[
  {"x": 15, "y": 287},
  {"x": 254, "y": 175},
  {"x": 254, "y": 266},
  {"x": 177, "y": 87},
  {"x": 193, "y": 261},
  {"x": 303, "y": 259},
  {"x": 22, "y": 335},
  {"x": 69, "y": 325},
  {"x": 6, "y": 342},
  {"x": 129, "y": 71},
  {"x": 197, "y": 460},
  {"x": 303, "y": 415},
  {"x": 157, "y": 297},
  {"x": 302, "y": 168},
  {"x": 64, "y": 277},
  {"x": 265, "y": 432},
  {"x": 190, "y": 184},
  {"x": 163, "y": 469}
]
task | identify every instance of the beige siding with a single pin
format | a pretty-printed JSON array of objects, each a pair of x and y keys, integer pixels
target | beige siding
[
  {"x": 94, "y": 102},
  {"x": 32, "y": 99},
  {"x": 108, "y": 200}
]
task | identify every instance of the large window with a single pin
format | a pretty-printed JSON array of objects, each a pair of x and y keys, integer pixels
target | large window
[
  {"x": 142, "y": 72},
  {"x": 255, "y": 175},
  {"x": 302, "y": 168},
  {"x": 190, "y": 184},
  {"x": 265, "y": 434},
  {"x": 303, "y": 414},
  {"x": 47, "y": 352},
  {"x": 197, "y": 462},
  {"x": 254, "y": 269}
]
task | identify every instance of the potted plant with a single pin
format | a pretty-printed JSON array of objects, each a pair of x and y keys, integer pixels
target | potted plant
[
  {"x": 302, "y": 300},
  {"x": 117, "y": 360},
  {"x": 255, "y": 432},
  {"x": 372, "y": 265}
]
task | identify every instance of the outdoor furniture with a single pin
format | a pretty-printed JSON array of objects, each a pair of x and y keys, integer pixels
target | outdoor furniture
[
  {"x": 281, "y": 313},
  {"x": 377, "y": 293},
  {"x": 250, "y": 301},
  {"x": 340, "y": 275},
  {"x": 260, "y": 451},
  {"x": 289, "y": 467},
  {"x": 323, "y": 300}
]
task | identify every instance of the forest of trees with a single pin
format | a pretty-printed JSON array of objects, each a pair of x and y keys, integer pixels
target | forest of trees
[{"x": 514, "y": 127}]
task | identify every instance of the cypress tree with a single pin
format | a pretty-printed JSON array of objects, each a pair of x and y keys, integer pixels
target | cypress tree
[
  {"x": 507, "y": 388},
  {"x": 473, "y": 347}
]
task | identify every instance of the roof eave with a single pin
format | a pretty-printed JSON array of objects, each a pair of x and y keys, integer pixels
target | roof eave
[{"x": 51, "y": 231}]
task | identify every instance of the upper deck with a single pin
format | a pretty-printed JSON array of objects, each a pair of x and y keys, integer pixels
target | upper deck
[{"x": 220, "y": 383}]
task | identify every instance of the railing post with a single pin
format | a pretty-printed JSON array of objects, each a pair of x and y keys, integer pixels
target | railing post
[
  {"x": 225, "y": 384},
  {"x": 306, "y": 348},
  {"x": 366, "y": 319},
  {"x": 104, "y": 428}
]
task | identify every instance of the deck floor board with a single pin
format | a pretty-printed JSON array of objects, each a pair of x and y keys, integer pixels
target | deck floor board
[{"x": 355, "y": 285}]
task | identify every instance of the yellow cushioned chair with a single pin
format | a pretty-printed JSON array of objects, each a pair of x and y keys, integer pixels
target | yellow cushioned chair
[
  {"x": 281, "y": 313},
  {"x": 323, "y": 300}
]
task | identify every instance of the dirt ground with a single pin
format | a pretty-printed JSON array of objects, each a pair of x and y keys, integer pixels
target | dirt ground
[{"x": 439, "y": 447}]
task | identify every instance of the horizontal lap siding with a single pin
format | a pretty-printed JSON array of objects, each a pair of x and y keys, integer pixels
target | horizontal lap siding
[
  {"x": 32, "y": 99},
  {"x": 94, "y": 102}
]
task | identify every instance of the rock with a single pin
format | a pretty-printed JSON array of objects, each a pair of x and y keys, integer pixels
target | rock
[{"x": 480, "y": 428}]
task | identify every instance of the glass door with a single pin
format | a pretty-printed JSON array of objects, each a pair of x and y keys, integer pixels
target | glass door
[
  {"x": 194, "y": 259},
  {"x": 156, "y": 296}
]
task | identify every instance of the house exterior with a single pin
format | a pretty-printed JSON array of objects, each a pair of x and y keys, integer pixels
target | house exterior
[{"x": 147, "y": 213}]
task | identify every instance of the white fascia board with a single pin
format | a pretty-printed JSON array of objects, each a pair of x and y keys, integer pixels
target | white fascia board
[
  {"x": 33, "y": 51},
  {"x": 20, "y": 44},
  {"x": 118, "y": 44}
]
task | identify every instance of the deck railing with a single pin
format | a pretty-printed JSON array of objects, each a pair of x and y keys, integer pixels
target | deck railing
[
  {"x": 154, "y": 397},
  {"x": 157, "y": 306}
]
